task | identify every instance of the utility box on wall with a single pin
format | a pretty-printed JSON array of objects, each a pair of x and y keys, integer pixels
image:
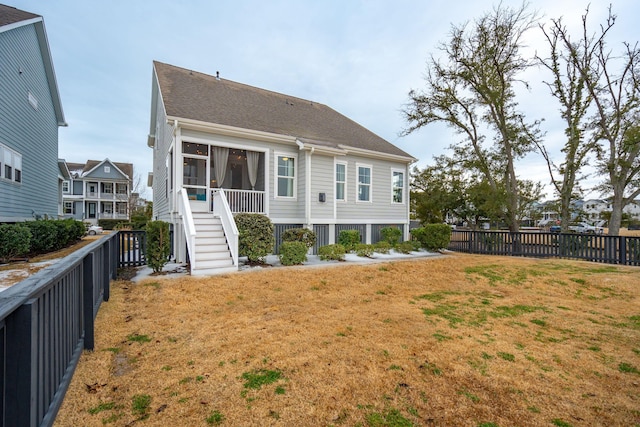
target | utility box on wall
[{"x": 322, "y": 197}]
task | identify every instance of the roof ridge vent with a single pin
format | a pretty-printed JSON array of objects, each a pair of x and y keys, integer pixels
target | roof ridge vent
[{"x": 218, "y": 75}]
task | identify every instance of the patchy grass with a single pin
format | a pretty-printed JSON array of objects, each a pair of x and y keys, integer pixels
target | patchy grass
[{"x": 504, "y": 341}]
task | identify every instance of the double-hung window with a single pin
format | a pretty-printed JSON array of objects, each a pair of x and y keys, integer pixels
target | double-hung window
[
  {"x": 341, "y": 181},
  {"x": 286, "y": 176},
  {"x": 364, "y": 183},
  {"x": 397, "y": 186},
  {"x": 10, "y": 165}
]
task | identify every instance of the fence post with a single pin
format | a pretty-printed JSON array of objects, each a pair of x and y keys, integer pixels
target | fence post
[
  {"x": 22, "y": 358},
  {"x": 622, "y": 255},
  {"x": 87, "y": 301},
  {"x": 106, "y": 267}
]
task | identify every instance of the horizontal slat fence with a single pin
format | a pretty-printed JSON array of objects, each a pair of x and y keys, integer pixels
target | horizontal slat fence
[
  {"x": 45, "y": 322},
  {"x": 623, "y": 250}
]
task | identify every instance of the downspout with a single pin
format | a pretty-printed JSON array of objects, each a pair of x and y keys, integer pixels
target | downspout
[{"x": 308, "y": 188}]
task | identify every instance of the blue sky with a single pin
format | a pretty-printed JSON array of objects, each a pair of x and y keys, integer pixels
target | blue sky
[{"x": 359, "y": 57}]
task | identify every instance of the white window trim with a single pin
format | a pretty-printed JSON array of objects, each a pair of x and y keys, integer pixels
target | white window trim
[
  {"x": 68, "y": 185},
  {"x": 70, "y": 205},
  {"x": 15, "y": 164},
  {"x": 403, "y": 172},
  {"x": 276, "y": 176},
  {"x": 345, "y": 182},
  {"x": 107, "y": 169},
  {"x": 370, "y": 167}
]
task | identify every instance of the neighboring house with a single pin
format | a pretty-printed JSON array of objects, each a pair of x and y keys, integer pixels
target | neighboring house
[
  {"x": 96, "y": 190},
  {"x": 30, "y": 114},
  {"x": 594, "y": 208},
  {"x": 221, "y": 148}
]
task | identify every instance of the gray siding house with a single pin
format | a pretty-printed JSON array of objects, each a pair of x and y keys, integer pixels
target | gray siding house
[
  {"x": 96, "y": 190},
  {"x": 30, "y": 113},
  {"x": 222, "y": 148}
]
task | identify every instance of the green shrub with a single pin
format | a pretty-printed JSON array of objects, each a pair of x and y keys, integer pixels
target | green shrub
[
  {"x": 109, "y": 224},
  {"x": 364, "y": 250},
  {"x": 15, "y": 240},
  {"x": 334, "y": 252},
  {"x": 382, "y": 247},
  {"x": 405, "y": 247},
  {"x": 44, "y": 236},
  {"x": 308, "y": 237},
  {"x": 293, "y": 253},
  {"x": 255, "y": 240},
  {"x": 392, "y": 235},
  {"x": 349, "y": 239},
  {"x": 433, "y": 237},
  {"x": 158, "y": 244}
]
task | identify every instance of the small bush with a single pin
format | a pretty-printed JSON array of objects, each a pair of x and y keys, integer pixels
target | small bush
[
  {"x": 255, "y": 240},
  {"x": 392, "y": 235},
  {"x": 158, "y": 244},
  {"x": 109, "y": 224},
  {"x": 405, "y": 247},
  {"x": 349, "y": 239},
  {"x": 332, "y": 252},
  {"x": 382, "y": 247},
  {"x": 433, "y": 237},
  {"x": 293, "y": 253},
  {"x": 15, "y": 240},
  {"x": 364, "y": 250},
  {"x": 308, "y": 237}
]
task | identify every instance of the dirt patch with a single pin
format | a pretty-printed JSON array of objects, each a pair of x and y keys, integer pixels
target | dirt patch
[{"x": 452, "y": 341}]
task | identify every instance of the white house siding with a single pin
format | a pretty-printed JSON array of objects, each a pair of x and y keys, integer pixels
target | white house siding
[{"x": 31, "y": 132}]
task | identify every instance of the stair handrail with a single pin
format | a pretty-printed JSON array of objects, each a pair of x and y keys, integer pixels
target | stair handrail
[
  {"x": 221, "y": 209},
  {"x": 184, "y": 210}
]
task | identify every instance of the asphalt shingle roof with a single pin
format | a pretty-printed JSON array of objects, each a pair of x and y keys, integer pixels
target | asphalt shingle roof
[
  {"x": 11, "y": 15},
  {"x": 192, "y": 95}
]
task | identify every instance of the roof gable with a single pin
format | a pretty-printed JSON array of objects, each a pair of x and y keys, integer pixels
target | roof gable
[
  {"x": 196, "y": 96},
  {"x": 93, "y": 167},
  {"x": 11, "y": 18}
]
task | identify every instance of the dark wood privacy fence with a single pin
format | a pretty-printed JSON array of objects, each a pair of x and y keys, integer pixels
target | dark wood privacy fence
[
  {"x": 599, "y": 248},
  {"x": 45, "y": 323}
]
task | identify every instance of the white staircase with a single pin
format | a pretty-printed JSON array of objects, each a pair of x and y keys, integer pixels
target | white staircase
[{"x": 212, "y": 254}]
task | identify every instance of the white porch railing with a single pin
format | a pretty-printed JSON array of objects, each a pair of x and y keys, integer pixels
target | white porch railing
[
  {"x": 221, "y": 209},
  {"x": 184, "y": 210},
  {"x": 245, "y": 201}
]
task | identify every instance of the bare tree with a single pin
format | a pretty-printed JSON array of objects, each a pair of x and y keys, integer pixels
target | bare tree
[
  {"x": 613, "y": 83},
  {"x": 569, "y": 88},
  {"x": 473, "y": 92}
]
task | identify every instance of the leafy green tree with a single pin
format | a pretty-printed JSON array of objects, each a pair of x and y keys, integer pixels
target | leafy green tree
[{"x": 473, "y": 91}]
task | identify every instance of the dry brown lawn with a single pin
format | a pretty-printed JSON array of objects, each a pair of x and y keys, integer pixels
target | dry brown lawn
[{"x": 459, "y": 340}]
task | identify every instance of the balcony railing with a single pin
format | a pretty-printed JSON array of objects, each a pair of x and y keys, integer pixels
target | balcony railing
[{"x": 245, "y": 201}]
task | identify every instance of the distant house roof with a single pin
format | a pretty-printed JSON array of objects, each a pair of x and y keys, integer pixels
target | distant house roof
[
  {"x": 191, "y": 95},
  {"x": 83, "y": 169},
  {"x": 11, "y": 18}
]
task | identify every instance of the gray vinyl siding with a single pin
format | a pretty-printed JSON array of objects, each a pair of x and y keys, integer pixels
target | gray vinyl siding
[
  {"x": 164, "y": 138},
  {"x": 287, "y": 209},
  {"x": 33, "y": 133},
  {"x": 78, "y": 188},
  {"x": 322, "y": 181},
  {"x": 380, "y": 208},
  {"x": 113, "y": 174}
]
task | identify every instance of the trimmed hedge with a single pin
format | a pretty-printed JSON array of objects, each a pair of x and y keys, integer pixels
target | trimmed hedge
[
  {"x": 364, "y": 250},
  {"x": 48, "y": 235},
  {"x": 308, "y": 237},
  {"x": 158, "y": 244},
  {"x": 334, "y": 252},
  {"x": 293, "y": 253},
  {"x": 433, "y": 237},
  {"x": 382, "y": 247},
  {"x": 255, "y": 236},
  {"x": 405, "y": 247},
  {"x": 349, "y": 239},
  {"x": 15, "y": 240}
]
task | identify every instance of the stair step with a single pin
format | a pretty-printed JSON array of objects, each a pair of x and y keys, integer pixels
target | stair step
[
  {"x": 213, "y": 271},
  {"x": 216, "y": 263},
  {"x": 209, "y": 256}
]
